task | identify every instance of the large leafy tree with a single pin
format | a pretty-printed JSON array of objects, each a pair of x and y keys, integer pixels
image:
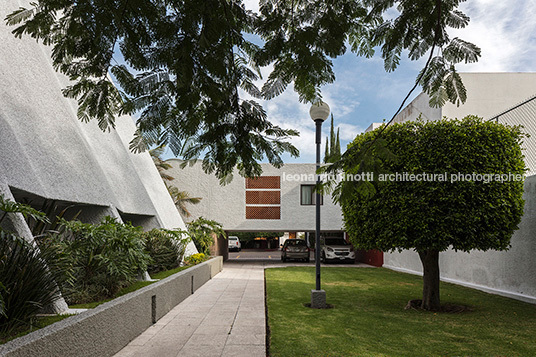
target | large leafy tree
[
  {"x": 187, "y": 61},
  {"x": 430, "y": 215}
]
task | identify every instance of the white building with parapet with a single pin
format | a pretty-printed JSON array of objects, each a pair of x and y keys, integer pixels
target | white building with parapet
[{"x": 279, "y": 200}]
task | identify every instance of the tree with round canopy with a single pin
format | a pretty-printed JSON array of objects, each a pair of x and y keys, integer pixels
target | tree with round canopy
[{"x": 431, "y": 216}]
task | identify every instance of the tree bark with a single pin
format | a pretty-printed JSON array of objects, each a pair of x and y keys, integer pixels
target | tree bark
[{"x": 430, "y": 290}]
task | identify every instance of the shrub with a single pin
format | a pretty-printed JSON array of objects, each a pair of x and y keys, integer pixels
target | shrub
[
  {"x": 165, "y": 247},
  {"x": 2, "y": 304},
  {"x": 104, "y": 257},
  {"x": 27, "y": 285},
  {"x": 195, "y": 259},
  {"x": 202, "y": 232}
]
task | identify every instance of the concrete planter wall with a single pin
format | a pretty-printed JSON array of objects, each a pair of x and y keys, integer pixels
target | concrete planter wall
[{"x": 106, "y": 329}]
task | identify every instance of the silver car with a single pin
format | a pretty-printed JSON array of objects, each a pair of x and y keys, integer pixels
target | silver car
[{"x": 295, "y": 249}]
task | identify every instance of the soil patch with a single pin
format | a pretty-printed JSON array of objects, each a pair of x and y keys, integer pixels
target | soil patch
[{"x": 446, "y": 308}]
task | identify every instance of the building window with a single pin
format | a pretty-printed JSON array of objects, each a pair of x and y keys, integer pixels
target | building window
[{"x": 308, "y": 195}]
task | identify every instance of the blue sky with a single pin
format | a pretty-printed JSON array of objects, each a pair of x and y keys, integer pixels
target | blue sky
[{"x": 364, "y": 93}]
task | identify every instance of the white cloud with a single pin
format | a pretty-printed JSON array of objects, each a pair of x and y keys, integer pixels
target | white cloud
[
  {"x": 348, "y": 132},
  {"x": 504, "y": 30},
  {"x": 252, "y": 5}
]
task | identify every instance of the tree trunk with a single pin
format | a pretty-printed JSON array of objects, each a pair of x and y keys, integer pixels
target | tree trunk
[{"x": 430, "y": 290}]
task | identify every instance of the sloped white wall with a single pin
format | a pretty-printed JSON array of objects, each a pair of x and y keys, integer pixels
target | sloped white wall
[{"x": 47, "y": 151}]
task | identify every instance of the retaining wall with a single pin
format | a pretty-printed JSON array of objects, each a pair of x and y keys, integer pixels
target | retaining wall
[{"x": 106, "y": 329}]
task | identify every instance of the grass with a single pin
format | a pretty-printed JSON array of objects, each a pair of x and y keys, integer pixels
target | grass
[
  {"x": 132, "y": 287},
  {"x": 20, "y": 331},
  {"x": 368, "y": 318}
]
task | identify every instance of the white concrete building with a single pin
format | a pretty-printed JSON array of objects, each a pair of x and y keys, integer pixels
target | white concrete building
[
  {"x": 508, "y": 98},
  {"x": 47, "y": 153},
  {"x": 280, "y": 200}
]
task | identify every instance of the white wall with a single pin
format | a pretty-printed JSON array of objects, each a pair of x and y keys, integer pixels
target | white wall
[
  {"x": 227, "y": 204},
  {"x": 46, "y": 151},
  {"x": 488, "y": 94},
  {"x": 510, "y": 273}
]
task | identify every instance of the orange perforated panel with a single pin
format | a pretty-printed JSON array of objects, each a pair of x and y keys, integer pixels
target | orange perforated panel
[
  {"x": 264, "y": 182},
  {"x": 263, "y": 197},
  {"x": 263, "y": 212}
]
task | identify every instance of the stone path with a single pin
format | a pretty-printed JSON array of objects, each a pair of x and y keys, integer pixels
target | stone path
[{"x": 225, "y": 317}]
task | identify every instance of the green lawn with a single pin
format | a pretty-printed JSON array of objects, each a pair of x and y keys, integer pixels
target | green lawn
[{"x": 368, "y": 318}]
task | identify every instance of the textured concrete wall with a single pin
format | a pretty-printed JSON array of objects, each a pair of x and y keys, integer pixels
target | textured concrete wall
[
  {"x": 525, "y": 115},
  {"x": 488, "y": 94},
  {"x": 227, "y": 204},
  {"x": 105, "y": 330},
  {"x": 510, "y": 273},
  {"x": 46, "y": 151}
]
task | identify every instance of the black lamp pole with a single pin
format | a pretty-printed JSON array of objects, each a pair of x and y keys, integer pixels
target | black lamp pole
[
  {"x": 319, "y": 112},
  {"x": 318, "y": 123}
]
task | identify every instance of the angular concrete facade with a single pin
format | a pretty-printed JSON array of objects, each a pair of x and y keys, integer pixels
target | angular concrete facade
[
  {"x": 46, "y": 153},
  {"x": 511, "y": 273}
]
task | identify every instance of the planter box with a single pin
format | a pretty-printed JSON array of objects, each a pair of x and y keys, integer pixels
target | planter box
[{"x": 109, "y": 327}]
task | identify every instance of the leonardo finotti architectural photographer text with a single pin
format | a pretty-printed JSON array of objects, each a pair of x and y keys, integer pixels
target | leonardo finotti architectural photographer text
[{"x": 407, "y": 177}]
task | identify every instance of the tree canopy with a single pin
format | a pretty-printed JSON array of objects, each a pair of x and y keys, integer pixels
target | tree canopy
[
  {"x": 186, "y": 63},
  {"x": 449, "y": 207}
]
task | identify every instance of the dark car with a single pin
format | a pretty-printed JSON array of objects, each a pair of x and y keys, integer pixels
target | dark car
[{"x": 295, "y": 249}]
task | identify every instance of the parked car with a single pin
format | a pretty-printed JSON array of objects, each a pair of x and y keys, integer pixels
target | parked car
[
  {"x": 234, "y": 243},
  {"x": 295, "y": 249},
  {"x": 337, "y": 249}
]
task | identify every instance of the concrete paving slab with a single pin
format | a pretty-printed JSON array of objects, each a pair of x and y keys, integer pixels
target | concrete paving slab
[
  {"x": 200, "y": 351},
  {"x": 246, "y": 338},
  {"x": 210, "y": 322},
  {"x": 244, "y": 351},
  {"x": 225, "y": 318}
]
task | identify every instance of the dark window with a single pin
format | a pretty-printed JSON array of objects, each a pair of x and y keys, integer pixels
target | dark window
[
  {"x": 295, "y": 243},
  {"x": 308, "y": 195},
  {"x": 336, "y": 241}
]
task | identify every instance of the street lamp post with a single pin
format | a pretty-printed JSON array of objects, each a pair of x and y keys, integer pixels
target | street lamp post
[{"x": 319, "y": 113}]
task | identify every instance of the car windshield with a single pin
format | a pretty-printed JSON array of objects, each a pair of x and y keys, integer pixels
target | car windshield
[
  {"x": 233, "y": 238},
  {"x": 296, "y": 242},
  {"x": 335, "y": 241}
]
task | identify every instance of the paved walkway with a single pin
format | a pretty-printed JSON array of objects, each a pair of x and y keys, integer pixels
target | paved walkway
[{"x": 225, "y": 317}]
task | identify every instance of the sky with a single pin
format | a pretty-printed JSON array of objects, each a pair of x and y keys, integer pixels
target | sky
[{"x": 364, "y": 93}]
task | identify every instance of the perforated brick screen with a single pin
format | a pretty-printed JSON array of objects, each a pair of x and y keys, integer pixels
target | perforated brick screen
[
  {"x": 263, "y": 197},
  {"x": 264, "y": 182},
  {"x": 263, "y": 212}
]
